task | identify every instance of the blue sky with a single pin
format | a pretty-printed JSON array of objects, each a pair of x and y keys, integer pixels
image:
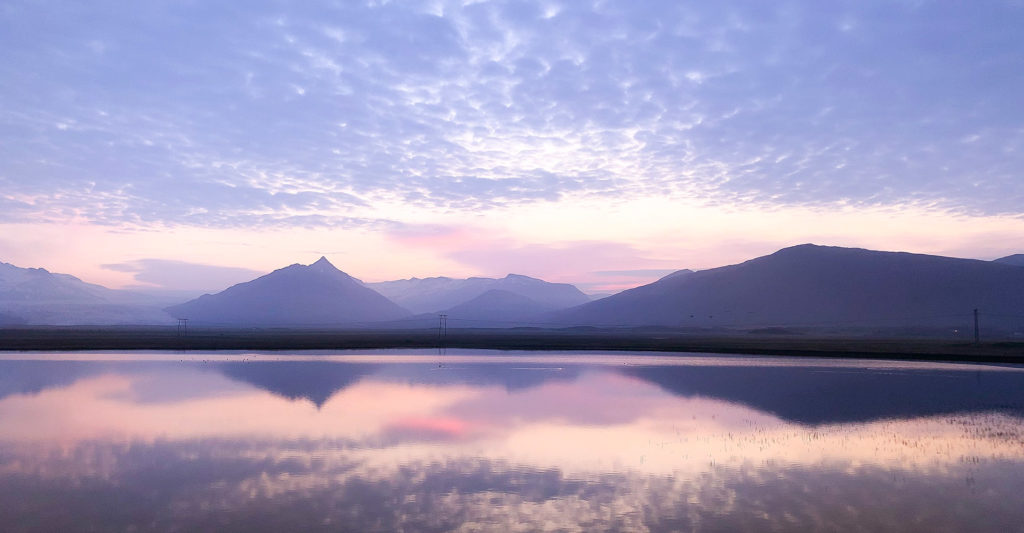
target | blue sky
[{"x": 567, "y": 139}]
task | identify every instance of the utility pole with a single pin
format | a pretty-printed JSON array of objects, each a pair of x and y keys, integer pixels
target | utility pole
[
  {"x": 442, "y": 328},
  {"x": 182, "y": 327},
  {"x": 977, "y": 334}
]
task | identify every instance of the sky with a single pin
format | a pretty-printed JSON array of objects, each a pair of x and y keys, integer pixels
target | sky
[{"x": 194, "y": 144}]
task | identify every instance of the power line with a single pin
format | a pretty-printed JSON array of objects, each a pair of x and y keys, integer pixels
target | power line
[{"x": 977, "y": 335}]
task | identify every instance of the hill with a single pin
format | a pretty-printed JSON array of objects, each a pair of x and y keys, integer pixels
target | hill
[
  {"x": 810, "y": 285},
  {"x": 298, "y": 295}
]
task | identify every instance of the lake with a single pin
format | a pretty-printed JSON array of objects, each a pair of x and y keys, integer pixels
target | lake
[{"x": 417, "y": 440}]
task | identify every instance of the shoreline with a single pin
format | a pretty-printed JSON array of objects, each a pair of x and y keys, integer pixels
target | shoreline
[{"x": 38, "y": 339}]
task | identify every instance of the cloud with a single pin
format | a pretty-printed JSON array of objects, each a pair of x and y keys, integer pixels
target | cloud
[
  {"x": 323, "y": 114},
  {"x": 181, "y": 275},
  {"x": 168, "y": 440}
]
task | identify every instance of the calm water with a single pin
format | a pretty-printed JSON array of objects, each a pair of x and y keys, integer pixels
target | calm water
[{"x": 486, "y": 441}]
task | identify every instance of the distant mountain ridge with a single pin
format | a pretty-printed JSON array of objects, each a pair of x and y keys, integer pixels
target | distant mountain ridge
[
  {"x": 41, "y": 285},
  {"x": 803, "y": 286},
  {"x": 36, "y": 296},
  {"x": 820, "y": 285},
  {"x": 429, "y": 295},
  {"x": 297, "y": 295}
]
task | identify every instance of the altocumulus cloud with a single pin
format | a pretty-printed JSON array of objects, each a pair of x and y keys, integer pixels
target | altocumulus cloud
[{"x": 317, "y": 113}]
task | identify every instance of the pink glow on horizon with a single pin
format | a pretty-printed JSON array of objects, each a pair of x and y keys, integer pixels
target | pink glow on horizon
[
  {"x": 558, "y": 243},
  {"x": 440, "y": 238}
]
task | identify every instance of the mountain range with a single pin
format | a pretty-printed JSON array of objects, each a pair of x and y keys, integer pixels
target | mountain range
[
  {"x": 800, "y": 286},
  {"x": 431, "y": 295}
]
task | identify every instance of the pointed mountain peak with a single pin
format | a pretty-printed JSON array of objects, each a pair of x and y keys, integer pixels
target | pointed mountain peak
[{"x": 323, "y": 264}]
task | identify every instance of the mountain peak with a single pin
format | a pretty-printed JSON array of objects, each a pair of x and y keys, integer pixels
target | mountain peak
[
  {"x": 323, "y": 264},
  {"x": 298, "y": 295},
  {"x": 801, "y": 248},
  {"x": 809, "y": 251}
]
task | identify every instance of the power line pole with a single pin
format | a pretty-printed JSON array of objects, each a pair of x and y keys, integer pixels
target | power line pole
[
  {"x": 977, "y": 334},
  {"x": 442, "y": 328}
]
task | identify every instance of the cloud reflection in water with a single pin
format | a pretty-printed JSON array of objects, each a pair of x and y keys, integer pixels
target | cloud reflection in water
[{"x": 418, "y": 446}]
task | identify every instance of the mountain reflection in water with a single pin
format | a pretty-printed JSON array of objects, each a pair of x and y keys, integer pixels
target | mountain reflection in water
[{"x": 563, "y": 442}]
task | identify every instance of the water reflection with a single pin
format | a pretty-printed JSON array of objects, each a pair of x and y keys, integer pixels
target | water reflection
[
  {"x": 383, "y": 443},
  {"x": 815, "y": 395}
]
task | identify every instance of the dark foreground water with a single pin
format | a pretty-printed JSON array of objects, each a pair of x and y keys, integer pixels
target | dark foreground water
[{"x": 507, "y": 442}]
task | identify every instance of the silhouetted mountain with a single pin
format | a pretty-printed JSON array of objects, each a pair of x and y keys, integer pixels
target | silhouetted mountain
[
  {"x": 821, "y": 286},
  {"x": 1015, "y": 259},
  {"x": 429, "y": 295},
  {"x": 38, "y": 297},
  {"x": 298, "y": 295}
]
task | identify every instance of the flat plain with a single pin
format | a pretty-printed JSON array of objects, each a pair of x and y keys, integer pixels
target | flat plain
[{"x": 656, "y": 340}]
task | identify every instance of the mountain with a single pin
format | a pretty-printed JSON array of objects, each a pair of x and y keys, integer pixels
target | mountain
[
  {"x": 498, "y": 307},
  {"x": 430, "y": 295},
  {"x": 298, "y": 295},
  {"x": 810, "y": 285},
  {"x": 35, "y": 296},
  {"x": 40, "y": 285},
  {"x": 1015, "y": 259}
]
